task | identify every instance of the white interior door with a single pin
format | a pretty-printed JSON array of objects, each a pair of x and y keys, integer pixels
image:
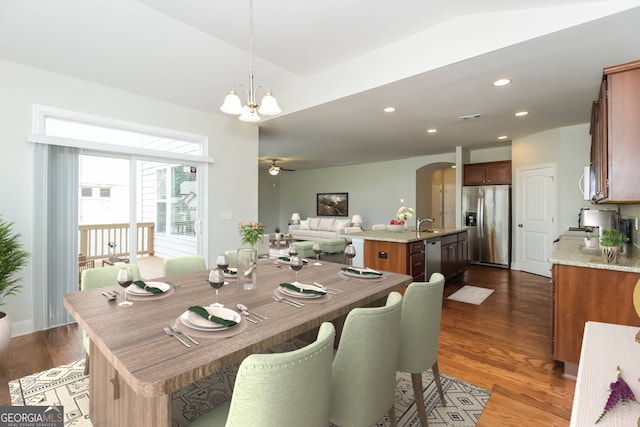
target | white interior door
[{"x": 535, "y": 218}]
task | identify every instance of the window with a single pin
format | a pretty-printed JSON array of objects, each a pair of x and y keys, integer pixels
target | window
[
  {"x": 89, "y": 132},
  {"x": 144, "y": 179}
]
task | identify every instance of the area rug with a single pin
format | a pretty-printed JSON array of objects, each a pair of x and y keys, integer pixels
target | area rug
[
  {"x": 67, "y": 385},
  {"x": 471, "y": 294}
]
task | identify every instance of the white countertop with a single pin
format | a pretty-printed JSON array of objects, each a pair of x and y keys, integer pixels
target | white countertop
[
  {"x": 567, "y": 252},
  {"x": 405, "y": 236},
  {"x": 604, "y": 347}
]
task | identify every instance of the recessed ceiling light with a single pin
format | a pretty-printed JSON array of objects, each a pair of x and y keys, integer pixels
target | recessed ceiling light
[
  {"x": 521, "y": 113},
  {"x": 501, "y": 82},
  {"x": 432, "y": 130},
  {"x": 502, "y": 137},
  {"x": 389, "y": 109}
]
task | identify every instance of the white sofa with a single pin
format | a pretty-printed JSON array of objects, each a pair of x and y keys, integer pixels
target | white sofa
[{"x": 318, "y": 228}]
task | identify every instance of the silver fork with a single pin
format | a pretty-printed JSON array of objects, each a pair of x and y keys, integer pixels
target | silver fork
[
  {"x": 327, "y": 289},
  {"x": 257, "y": 315},
  {"x": 172, "y": 334},
  {"x": 291, "y": 303},
  {"x": 177, "y": 330}
]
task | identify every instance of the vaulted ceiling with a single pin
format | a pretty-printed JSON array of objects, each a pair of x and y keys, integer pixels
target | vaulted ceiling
[{"x": 334, "y": 65}]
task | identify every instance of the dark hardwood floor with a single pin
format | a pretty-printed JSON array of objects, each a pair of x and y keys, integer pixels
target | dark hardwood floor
[{"x": 502, "y": 345}]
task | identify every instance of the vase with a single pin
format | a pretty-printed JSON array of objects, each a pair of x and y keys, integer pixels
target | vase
[
  {"x": 610, "y": 254},
  {"x": 247, "y": 268},
  {"x": 5, "y": 330}
]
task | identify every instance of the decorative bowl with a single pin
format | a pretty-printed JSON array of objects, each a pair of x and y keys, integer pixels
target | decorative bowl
[{"x": 395, "y": 227}]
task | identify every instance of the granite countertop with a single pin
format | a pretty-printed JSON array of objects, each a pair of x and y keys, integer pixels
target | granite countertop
[
  {"x": 569, "y": 251},
  {"x": 406, "y": 236}
]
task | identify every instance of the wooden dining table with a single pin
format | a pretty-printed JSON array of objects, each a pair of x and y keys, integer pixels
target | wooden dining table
[{"x": 135, "y": 366}]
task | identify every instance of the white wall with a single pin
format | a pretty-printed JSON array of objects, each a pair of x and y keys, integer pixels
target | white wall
[
  {"x": 233, "y": 178},
  {"x": 569, "y": 149},
  {"x": 375, "y": 189}
]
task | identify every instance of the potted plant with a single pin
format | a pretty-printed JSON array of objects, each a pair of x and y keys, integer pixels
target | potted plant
[
  {"x": 611, "y": 241},
  {"x": 12, "y": 259},
  {"x": 278, "y": 234}
]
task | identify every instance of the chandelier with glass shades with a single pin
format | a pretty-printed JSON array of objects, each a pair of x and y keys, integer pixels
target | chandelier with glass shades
[{"x": 249, "y": 111}]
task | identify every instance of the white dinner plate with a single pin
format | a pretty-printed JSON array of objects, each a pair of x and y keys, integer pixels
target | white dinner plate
[
  {"x": 198, "y": 322},
  {"x": 134, "y": 289},
  {"x": 231, "y": 275},
  {"x": 360, "y": 273},
  {"x": 294, "y": 294},
  {"x": 286, "y": 262}
]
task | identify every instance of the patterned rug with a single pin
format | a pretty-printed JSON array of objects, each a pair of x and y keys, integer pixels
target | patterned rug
[{"x": 67, "y": 386}]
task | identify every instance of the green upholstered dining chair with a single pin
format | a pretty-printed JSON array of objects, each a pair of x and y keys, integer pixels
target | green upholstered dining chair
[
  {"x": 363, "y": 376},
  {"x": 280, "y": 389},
  {"x": 98, "y": 278},
  {"x": 419, "y": 334},
  {"x": 232, "y": 257},
  {"x": 182, "y": 265}
]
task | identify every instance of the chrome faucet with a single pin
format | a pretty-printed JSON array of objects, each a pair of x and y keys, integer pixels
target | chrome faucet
[{"x": 421, "y": 220}]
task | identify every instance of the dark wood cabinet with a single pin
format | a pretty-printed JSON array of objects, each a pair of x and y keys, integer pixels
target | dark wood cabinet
[
  {"x": 615, "y": 135},
  {"x": 416, "y": 260},
  {"x": 454, "y": 254},
  {"x": 583, "y": 294},
  {"x": 490, "y": 173},
  {"x": 404, "y": 258}
]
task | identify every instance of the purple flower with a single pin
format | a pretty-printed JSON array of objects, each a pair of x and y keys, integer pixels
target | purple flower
[{"x": 619, "y": 392}]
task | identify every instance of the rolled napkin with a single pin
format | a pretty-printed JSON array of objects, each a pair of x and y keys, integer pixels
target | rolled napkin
[
  {"x": 287, "y": 259},
  {"x": 301, "y": 290},
  {"x": 152, "y": 289},
  {"x": 362, "y": 272},
  {"x": 204, "y": 313}
]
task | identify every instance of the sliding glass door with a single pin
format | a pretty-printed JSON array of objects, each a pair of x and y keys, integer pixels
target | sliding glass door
[{"x": 131, "y": 208}]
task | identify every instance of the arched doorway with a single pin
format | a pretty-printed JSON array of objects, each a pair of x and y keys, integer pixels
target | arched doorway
[{"x": 436, "y": 194}]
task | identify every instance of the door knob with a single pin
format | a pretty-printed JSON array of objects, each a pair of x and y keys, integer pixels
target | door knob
[{"x": 520, "y": 225}]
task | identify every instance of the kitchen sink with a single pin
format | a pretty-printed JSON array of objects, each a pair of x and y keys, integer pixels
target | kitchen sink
[{"x": 589, "y": 251}]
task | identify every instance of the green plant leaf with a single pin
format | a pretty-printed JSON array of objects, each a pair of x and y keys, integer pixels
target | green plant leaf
[{"x": 12, "y": 259}]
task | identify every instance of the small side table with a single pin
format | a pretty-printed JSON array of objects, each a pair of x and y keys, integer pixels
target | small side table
[
  {"x": 109, "y": 261},
  {"x": 277, "y": 242}
]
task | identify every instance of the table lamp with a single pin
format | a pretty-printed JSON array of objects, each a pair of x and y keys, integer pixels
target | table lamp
[
  {"x": 356, "y": 221},
  {"x": 295, "y": 218}
]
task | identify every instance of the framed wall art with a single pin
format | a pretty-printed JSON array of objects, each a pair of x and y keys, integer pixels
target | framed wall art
[{"x": 332, "y": 204}]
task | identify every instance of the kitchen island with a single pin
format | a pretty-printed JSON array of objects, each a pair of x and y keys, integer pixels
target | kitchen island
[
  {"x": 415, "y": 254},
  {"x": 585, "y": 288}
]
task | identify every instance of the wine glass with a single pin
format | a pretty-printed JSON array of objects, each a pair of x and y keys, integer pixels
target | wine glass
[
  {"x": 216, "y": 280},
  {"x": 222, "y": 262},
  {"x": 293, "y": 251},
  {"x": 350, "y": 252},
  {"x": 296, "y": 263},
  {"x": 125, "y": 278},
  {"x": 317, "y": 249}
]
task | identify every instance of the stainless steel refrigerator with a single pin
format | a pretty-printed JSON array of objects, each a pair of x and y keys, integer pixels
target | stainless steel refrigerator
[{"x": 486, "y": 211}]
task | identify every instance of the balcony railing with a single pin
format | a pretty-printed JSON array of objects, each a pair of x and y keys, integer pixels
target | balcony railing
[{"x": 95, "y": 239}]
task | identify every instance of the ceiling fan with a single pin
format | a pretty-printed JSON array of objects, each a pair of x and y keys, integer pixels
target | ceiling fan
[{"x": 275, "y": 169}]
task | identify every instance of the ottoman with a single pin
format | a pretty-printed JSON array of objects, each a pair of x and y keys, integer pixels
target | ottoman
[
  {"x": 305, "y": 248},
  {"x": 331, "y": 246}
]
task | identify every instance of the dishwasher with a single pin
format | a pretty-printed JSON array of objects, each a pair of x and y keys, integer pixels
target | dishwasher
[{"x": 431, "y": 257}]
